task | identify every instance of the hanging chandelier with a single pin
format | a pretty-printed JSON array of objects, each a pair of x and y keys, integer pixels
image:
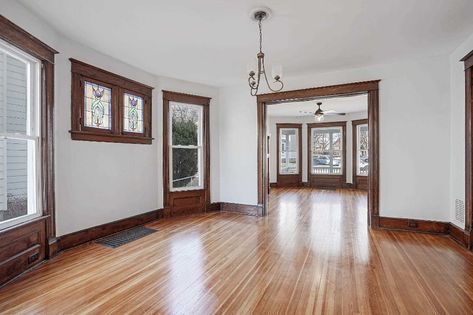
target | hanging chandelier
[{"x": 254, "y": 78}]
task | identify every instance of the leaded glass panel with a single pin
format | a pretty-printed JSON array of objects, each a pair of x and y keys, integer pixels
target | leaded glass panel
[
  {"x": 97, "y": 106},
  {"x": 133, "y": 113}
]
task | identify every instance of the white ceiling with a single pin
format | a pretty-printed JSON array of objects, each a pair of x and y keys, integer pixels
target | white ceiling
[
  {"x": 213, "y": 41},
  {"x": 348, "y": 104}
]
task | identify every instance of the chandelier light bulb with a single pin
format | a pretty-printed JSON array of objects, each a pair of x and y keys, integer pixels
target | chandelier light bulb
[{"x": 276, "y": 72}]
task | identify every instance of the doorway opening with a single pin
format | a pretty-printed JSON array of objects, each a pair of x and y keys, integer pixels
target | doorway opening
[{"x": 309, "y": 146}]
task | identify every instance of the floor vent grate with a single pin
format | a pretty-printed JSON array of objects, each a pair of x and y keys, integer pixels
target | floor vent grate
[
  {"x": 124, "y": 237},
  {"x": 459, "y": 210}
]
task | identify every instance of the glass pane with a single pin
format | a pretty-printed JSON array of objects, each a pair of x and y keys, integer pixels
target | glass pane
[
  {"x": 288, "y": 151},
  {"x": 15, "y": 93},
  {"x": 362, "y": 154},
  {"x": 327, "y": 151},
  {"x": 186, "y": 124},
  {"x": 97, "y": 106},
  {"x": 133, "y": 113},
  {"x": 14, "y": 184},
  {"x": 185, "y": 167}
]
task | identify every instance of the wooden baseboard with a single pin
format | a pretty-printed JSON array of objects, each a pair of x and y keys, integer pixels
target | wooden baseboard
[
  {"x": 413, "y": 225},
  {"x": 459, "y": 235},
  {"x": 93, "y": 233},
  {"x": 255, "y": 210},
  {"x": 215, "y": 206}
]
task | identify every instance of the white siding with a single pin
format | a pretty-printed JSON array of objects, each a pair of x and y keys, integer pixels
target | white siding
[
  {"x": 17, "y": 168},
  {"x": 13, "y": 110},
  {"x": 3, "y": 182}
]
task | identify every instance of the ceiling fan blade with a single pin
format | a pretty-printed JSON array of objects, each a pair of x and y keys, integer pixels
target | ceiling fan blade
[{"x": 334, "y": 114}]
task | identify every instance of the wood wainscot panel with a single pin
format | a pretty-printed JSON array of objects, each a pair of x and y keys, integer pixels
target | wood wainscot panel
[{"x": 22, "y": 247}]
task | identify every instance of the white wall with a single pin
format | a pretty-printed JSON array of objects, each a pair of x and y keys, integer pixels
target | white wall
[
  {"x": 457, "y": 132},
  {"x": 102, "y": 182},
  {"x": 414, "y": 173},
  {"x": 273, "y": 161}
]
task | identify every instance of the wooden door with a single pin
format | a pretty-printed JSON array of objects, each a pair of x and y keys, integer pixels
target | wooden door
[
  {"x": 186, "y": 169},
  {"x": 289, "y": 155},
  {"x": 326, "y": 154}
]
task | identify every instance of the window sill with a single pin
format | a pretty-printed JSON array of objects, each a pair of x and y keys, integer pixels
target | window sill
[
  {"x": 92, "y": 136},
  {"x": 185, "y": 189},
  {"x": 20, "y": 221}
]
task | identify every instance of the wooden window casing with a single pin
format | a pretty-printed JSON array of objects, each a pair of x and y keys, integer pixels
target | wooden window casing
[{"x": 81, "y": 73}]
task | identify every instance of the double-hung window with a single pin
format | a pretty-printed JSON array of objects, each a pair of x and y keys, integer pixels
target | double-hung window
[
  {"x": 186, "y": 152},
  {"x": 327, "y": 151},
  {"x": 362, "y": 164},
  {"x": 19, "y": 136},
  {"x": 288, "y": 151}
]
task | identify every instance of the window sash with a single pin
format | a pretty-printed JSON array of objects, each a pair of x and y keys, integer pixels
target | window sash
[
  {"x": 198, "y": 147},
  {"x": 31, "y": 135},
  {"x": 284, "y": 148},
  {"x": 330, "y": 169},
  {"x": 359, "y": 151}
]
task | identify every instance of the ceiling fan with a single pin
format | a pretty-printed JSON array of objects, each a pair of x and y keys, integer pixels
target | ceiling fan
[{"x": 319, "y": 113}]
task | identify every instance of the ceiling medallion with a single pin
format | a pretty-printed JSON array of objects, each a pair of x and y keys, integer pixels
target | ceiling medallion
[{"x": 254, "y": 79}]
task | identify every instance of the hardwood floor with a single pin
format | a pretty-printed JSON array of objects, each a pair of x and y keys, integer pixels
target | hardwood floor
[{"x": 312, "y": 254}]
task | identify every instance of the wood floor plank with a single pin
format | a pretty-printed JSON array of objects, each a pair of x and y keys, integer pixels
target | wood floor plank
[{"x": 313, "y": 254}]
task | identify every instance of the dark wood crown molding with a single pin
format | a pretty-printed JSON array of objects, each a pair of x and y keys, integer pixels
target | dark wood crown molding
[
  {"x": 20, "y": 38},
  {"x": 332, "y": 90},
  {"x": 468, "y": 60},
  {"x": 186, "y": 98},
  {"x": 96, "y": 73}
]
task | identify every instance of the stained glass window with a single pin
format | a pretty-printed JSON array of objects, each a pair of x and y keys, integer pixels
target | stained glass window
[
  {"x": 114, "y": 109},
  {"x": 97, "y": 106},
  {"x": 133, "y": 113}
]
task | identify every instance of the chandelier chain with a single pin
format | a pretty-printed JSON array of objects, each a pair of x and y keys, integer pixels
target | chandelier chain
[{"x": 260, "y": 35}]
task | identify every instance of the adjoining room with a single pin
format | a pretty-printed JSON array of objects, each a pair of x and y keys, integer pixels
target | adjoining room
[{"x": 236, "y": 157}]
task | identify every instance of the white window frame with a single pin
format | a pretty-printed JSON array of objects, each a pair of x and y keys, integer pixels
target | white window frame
[
  {"x": 358, "y": 138},
  {"x": 327, "y": 129},
  {"x": 199, "y": 148},
  {"x": 32, "y": 136},
  {"x": 286, "y": 149}
]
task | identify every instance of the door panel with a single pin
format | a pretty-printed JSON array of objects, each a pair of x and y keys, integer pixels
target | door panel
[
  {"x": 326, "y": 154},
  {"x": 289, "y": 155},
  {"x": 179, "y": 201}
]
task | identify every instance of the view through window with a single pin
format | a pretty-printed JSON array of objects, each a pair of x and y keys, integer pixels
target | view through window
[
  {"x": 186, "y": 146},
  {"x": 288, "y": 151},
  {"x": 19, "y": 136},
  {"x": 326, "y": 151},
  {"x": 362, "y": 164}
]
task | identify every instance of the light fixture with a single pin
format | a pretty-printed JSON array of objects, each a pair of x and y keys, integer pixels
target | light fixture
[
  {"x": 319, "y": 113},
  {"x": 254, "y": 78}
]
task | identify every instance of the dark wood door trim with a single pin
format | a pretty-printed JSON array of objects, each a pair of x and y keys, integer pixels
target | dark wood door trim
[
  {"x": 188, "y": 196},
  {"x": 289, "y": 179},
  {"x": 322, "y": 181},
  {"x": 43, "y": 227},
  {"x": 369, "y": 87},
  {"x": 355, "y": 177},
  {"x": 468, "y": 61}
]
